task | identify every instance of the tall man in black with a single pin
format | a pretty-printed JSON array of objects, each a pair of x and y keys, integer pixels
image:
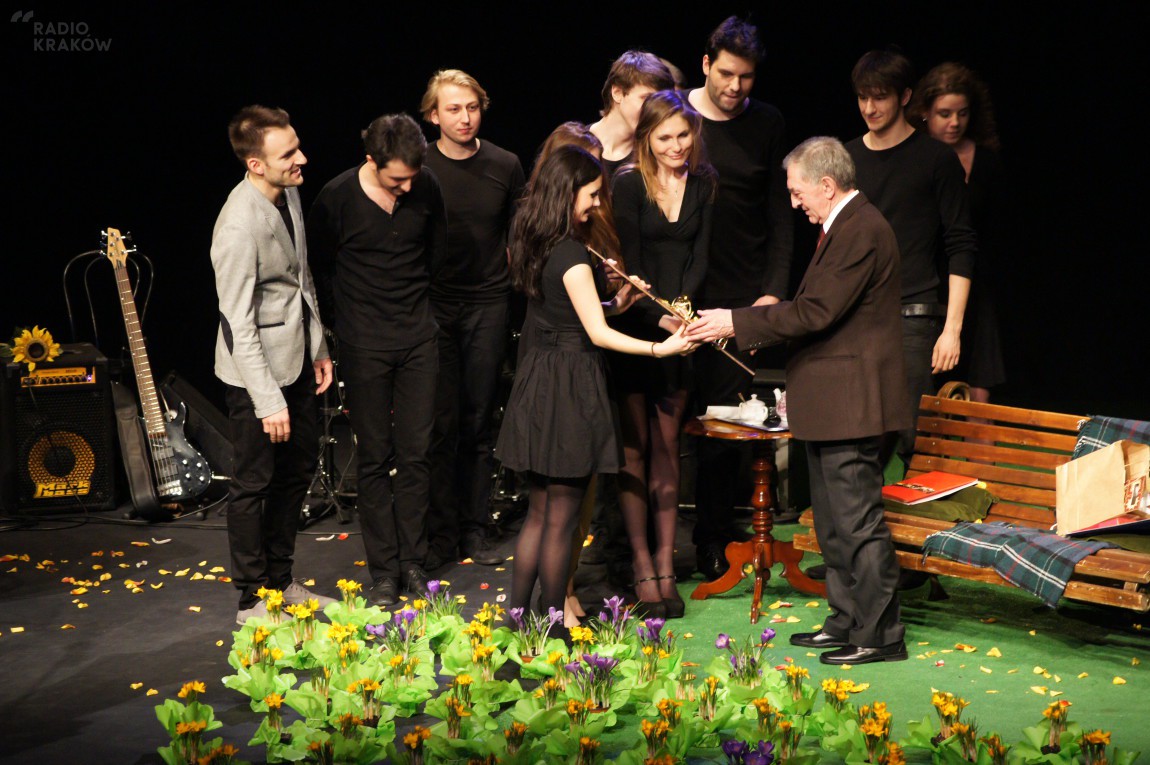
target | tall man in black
[
  {"x": 844, "y": 392},
  {"x": 469, "y": 296},
  {"x": 919, "y": 186},
  {"x": 750, "y": 256},
  {"x": 377, "y": 232}
]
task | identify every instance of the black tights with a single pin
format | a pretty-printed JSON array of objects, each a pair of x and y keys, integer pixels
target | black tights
[{"x": 543, "y": 550}]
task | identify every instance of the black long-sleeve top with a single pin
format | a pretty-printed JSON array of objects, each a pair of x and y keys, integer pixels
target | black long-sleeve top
[
  {"x": 920, "y": 188},
  {"x": 373, "y": 267},
  {"x": 672, "y": 257},
  {"x": 752, "y": 238}
]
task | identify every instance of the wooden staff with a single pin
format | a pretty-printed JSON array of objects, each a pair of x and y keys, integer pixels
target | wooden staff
[{"x": 685, "y": 316}]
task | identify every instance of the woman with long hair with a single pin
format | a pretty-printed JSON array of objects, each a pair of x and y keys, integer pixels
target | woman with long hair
[
  {"x": 558, "y": 428},
  {"x": 953, "y": 105},
  {"x": 663, "y": 204}
]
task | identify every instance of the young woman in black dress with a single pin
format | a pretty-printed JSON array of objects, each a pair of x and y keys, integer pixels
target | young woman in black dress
[
  {"x": 558, "y": 427},
  {"x": 953, "y": 105},
  {"x": 663, "y": 208}
]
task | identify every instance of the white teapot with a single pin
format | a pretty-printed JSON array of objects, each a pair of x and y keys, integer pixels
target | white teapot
[{"x": 753, "y": 410}]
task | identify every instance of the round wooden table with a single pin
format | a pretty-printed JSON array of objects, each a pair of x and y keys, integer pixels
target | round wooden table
[{"x": 762, "y": 550}]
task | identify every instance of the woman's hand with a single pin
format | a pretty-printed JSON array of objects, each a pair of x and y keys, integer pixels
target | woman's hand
[
  {"x": 628, "y": 294},
  {"x": 669, "y": 323},
  {"x": 675, "y": 344}
]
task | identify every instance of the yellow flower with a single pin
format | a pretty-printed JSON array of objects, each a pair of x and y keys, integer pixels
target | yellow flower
[
  {"x": 190, "y": 689},
  {"x": 873, "y": 728},
  {"x": 274, "y": 700},
  {"x": 556, "y": 657},
  {"x": 395, "y": 660},
  {"x": 463, "y": 679},
  {"x": 894, "y": 755},
  {"x": 794, "y": 671},
  {"x": 33, "y": 347},
  {"x": 195, "y": 726},
  {"x": 419, "y": 604},
  {"x": 1097, "y": 737},
  {"x": 348, "y": 586},
  {"x": 582, "y": 634}
]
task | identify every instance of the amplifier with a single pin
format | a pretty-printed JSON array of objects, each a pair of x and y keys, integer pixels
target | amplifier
[{"x": 56, "y": 434}]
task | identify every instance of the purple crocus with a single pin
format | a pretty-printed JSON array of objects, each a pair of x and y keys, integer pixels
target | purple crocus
[
  {"x": 408, "y": 614},
  {"x": 615, "y": 606},
  {"x": 654, "y": 627},
  {"x": 516, "y": 615},
  {"x": 767, "y": 636},
  {"x": 572, "y": 667},
  {"x": 554, "y": 616},
  {"x": 433, "y": 586},
  {"x": 379, "y": 630},
  {"x": 763, "y": 754},
  {"x": 723, "y": 642},
  {"x": 735, "y": 751}
]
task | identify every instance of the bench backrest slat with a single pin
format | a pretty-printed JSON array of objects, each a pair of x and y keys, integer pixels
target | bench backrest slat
[
  {"x": 989, "y": 453},
  {"x": 1030, "y": 418}
]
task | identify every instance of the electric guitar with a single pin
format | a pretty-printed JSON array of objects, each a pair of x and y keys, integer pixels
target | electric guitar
[{"x": 179, "y": 472}]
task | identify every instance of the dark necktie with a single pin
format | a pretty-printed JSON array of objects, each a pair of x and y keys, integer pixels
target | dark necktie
[{"x": 822, "y": 236}]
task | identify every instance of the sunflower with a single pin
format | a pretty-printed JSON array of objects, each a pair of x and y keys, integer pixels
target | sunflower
[{"x": 33, "y": 346}]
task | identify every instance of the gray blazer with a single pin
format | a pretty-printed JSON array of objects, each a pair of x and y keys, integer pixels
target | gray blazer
[{"x": 264, "y": 286}]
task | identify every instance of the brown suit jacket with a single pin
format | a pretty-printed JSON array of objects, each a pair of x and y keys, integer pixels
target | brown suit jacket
[{"x": 845, "y": 370}]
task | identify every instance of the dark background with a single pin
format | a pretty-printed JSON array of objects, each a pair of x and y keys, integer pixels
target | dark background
[{"x": 134, "y": 137}]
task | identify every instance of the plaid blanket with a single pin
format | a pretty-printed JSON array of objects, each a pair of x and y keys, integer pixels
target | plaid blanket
[
  {"x": 1100, "y": 432},
  {"x": 1036, "y": 561}
]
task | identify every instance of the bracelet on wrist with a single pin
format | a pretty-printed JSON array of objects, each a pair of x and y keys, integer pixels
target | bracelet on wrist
[{"x": 653, "y": 349}]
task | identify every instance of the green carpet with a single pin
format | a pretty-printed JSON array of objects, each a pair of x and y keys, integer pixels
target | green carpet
[{"x": 1081, "y": 648}]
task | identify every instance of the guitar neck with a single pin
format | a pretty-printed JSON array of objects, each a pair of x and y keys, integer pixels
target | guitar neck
[{"x": 149, "y": 401}]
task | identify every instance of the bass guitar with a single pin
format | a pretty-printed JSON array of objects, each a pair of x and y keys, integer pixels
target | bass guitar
[{"x": 179, "y": 472}]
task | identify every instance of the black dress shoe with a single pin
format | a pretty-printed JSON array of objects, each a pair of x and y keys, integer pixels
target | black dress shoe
[
  {"x": 415, "y": 581},
  {"x": 384, "y": 592},
  {"x": 853, "y": 654},
  {"x": 479, "y": 550},
  {"x": 711, "y": 562},
  {"x": 817, "y": 571},
  {"x": 818, "y": 640}
]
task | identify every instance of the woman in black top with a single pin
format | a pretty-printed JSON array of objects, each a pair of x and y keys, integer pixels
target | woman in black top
[
  {"x": 558, "y": 427},
  {"x": 954, "y": 107},
  {"x": 663, "y": 205}
]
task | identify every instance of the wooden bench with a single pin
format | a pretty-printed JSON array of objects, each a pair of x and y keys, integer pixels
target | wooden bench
[{"x": 1015, "y": 451}]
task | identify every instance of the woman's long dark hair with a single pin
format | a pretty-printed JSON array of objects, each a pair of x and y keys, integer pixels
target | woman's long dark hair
[{"x": 544, "y": 217}]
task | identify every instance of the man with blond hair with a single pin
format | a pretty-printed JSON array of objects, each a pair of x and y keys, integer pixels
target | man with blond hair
[{"x": 469, "y": 296}]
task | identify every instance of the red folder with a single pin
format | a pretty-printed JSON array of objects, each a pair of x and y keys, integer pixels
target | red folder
[{"x": 925, "y": 487}]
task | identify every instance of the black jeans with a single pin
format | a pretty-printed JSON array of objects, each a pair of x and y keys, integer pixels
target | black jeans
[
  {"x": 391, "y": 397},
  {"x": 268, "y": 487},
  {"x": 472, "y": 345},
  {"x": 919, "y": 335}
]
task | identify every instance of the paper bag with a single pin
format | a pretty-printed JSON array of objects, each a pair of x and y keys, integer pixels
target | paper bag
[{"x": 1101, "y": 485}]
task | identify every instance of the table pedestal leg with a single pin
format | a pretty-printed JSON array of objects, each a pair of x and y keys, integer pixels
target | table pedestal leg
[{"x": 762, "y": 550}]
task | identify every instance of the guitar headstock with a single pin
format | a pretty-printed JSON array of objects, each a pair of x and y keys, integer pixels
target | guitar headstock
[{"x": 116, "y": 245}]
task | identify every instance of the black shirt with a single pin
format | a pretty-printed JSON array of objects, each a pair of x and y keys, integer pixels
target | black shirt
[
  {"x": 480, "y": 193},
  {"x": 920, "y": 188},
  {"x": 375, "y": 268},
  {"x": 753, "y": 232}
]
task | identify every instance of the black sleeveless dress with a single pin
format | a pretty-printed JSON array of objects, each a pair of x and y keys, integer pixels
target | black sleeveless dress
[{"x": 560, "y": 421}]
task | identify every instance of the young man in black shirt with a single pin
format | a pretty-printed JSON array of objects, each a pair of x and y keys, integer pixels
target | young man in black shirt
[
  {"x": 749, "y": 261},
  {"x": 377, "y": 232},
  {"x": 919, "y": 186},
  {"x": 469, "y": 296}
]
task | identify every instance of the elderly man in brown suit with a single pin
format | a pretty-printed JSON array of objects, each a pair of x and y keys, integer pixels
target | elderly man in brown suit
[{"x": 845, "y": 390}]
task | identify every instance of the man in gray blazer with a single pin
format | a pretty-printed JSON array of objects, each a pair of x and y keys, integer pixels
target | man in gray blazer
[
  {"x": 845, "y": 390},
  {"x": 270, "y": 354}
]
